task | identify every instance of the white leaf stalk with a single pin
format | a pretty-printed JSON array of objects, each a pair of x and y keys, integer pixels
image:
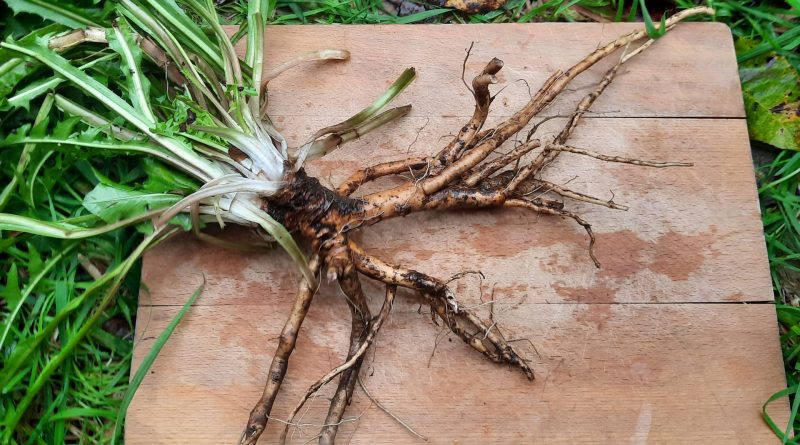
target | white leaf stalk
[{"x": 236, "y": 153}]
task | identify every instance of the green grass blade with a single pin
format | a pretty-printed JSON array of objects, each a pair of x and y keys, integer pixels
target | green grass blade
[
  {"x": 783, "y": 435},
  {"x": 766, "y": 47},
  {"x": 792, "y": 417},
  {"x": 634, "y": 11},
  {"x": 16, "y": 413},
  {"x": 565, "y": 7},
  {"x": 76, "y": 413},
  {"x": 148, "y": 360},
  {"x": 50, "y": 10},
  {"x": 29, "y": 288},
  {"x": 28, "y": 346},
  {"x": 649, "y": 26},
  {"x": 620, "y": 10},
  {"x": 421, "y": 16}
]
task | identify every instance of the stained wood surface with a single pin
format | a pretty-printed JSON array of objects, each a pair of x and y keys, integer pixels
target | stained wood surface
[{"x": 654, "y": 347}]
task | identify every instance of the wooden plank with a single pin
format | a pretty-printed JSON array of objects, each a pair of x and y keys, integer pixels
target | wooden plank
[
  {"x": 630, "y": 353},
  {"x": 606, "y": 373},
  {"x": 690, "y": 73}
]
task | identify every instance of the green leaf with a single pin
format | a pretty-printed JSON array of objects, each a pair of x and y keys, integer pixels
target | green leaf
[
  {"x": 40, "y": 123},
  {"x": 161, "y": 179},
  {"x": 82, "y": 80},
  {"x": 202, "y": 166},
  {"x": 122, "y": 40},
  {"x": 65, "y": 230},
  {"x": 112, "y": 204},
  {"x": 13, "y": 67},
  {"x": 394, "y": 89},
  {"x": 34, "y": 90},
  {"x": 61, "y": 12},
  {"x": 12, "y": 71},
  {"x": 144, "y": 367},
  {"x": 772, "y": 102},
  {"x": 34, "y": 260},
  {"x": 102, "y": 148},
  {"x": 323, "y": 146},
  {"x": 12, "y": 293}
]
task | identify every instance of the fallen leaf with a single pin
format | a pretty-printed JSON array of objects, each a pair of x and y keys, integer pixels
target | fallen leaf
[
  {"x": 472, "y": 6},
  {"x": 772, "y": 101}
]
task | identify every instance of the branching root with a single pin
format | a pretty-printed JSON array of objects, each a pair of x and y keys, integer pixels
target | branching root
[{"x": 468, "y": 173}]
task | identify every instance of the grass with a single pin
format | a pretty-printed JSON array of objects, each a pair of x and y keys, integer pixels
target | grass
[{"x": 42, "y": 280}]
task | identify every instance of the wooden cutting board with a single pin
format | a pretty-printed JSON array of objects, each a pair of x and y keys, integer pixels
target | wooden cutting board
[{"x": 672, "y": 340}]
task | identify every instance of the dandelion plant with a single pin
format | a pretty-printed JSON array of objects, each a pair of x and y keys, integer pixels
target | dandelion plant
[{"x": 196, "y": 115}]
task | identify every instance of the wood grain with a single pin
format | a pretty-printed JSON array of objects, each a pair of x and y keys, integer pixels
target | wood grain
[
  {"x": 606, "y": 373},
  {"x": 638, "y": 351},
  {"x": 690, "y": 74}
]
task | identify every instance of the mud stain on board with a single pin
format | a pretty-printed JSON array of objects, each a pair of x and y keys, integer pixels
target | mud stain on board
[
  {"x": 506, "y": 240},
  {"x": 500, "y": 292},
  {"x": 678, "y": 256},
  {"x": 596, "y": 315},
  {"x": 599, "y": 293},
  {"x": 556, "y": 265},
  {"x": 621, "y": 254}
]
